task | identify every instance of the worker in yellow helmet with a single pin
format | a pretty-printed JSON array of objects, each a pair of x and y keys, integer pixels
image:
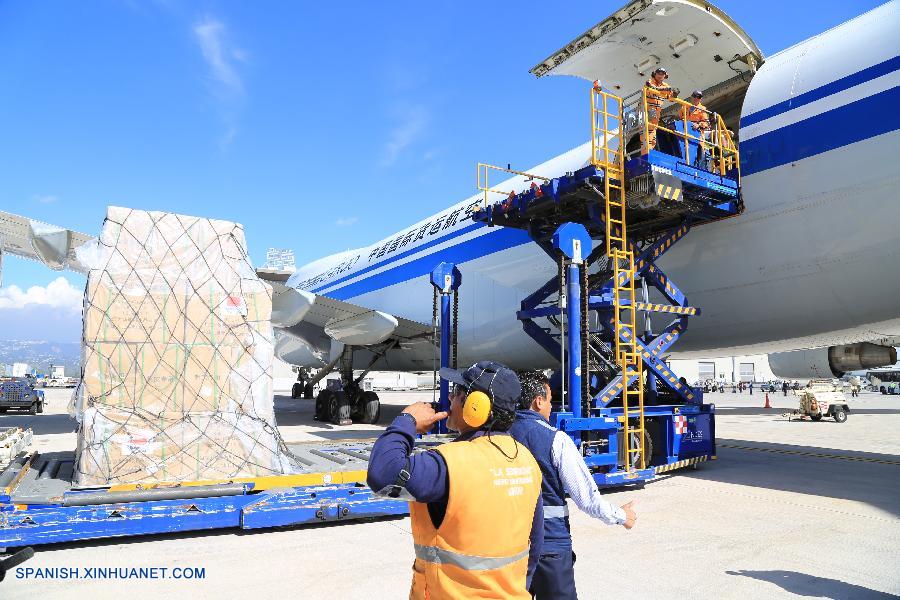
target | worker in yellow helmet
[
  {"x": 657, "y": 91},
  {"x": 484, "y": 539}
]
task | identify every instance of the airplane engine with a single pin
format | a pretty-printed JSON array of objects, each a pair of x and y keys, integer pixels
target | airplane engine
[{"x": 831, "y": 362}]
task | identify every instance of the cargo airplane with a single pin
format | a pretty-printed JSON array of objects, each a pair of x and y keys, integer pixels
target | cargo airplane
[{"x": 807, "y": 271}]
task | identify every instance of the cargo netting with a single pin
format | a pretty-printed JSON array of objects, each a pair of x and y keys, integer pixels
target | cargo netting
[{"x": 177, "y": 355}]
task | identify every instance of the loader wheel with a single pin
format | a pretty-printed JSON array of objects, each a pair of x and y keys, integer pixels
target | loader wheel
[
  {"x": 648, "y": 450},
  {"x": 3, "y": 411},
  {"x": 32, "y": 410},
  {"x": 817, "y": 417},
  {"x": 369, "y": 408},
  {"x": 322, "y": 402},
  {"x": 840, "y": 415}
]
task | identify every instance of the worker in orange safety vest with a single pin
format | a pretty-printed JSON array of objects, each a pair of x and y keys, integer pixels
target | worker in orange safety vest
[
  {"x": 482, "y": 540},
  {"x": 657, "y": 90},
  {"x": 698, "y": 116}
]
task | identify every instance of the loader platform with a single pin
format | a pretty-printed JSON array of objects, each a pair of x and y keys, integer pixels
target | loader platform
[{"x": 40, "y": 505}]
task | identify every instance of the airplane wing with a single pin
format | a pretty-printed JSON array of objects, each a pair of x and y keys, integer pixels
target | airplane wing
[
  {"x": 338, "y": 320},
  {"x": 51, "y": 245}
]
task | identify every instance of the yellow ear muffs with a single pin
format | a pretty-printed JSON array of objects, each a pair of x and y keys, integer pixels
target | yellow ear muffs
[{"x": 476, "y": 409}]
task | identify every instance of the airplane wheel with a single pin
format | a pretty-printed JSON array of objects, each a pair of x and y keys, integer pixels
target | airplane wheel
[
  {"x": 339, "y": 409},
  {"x": 323, "y": 401},
  {"x": 296, "y": 390},
  {"x": 370, "y": 408},
  {"x": 308, "y": 391}
]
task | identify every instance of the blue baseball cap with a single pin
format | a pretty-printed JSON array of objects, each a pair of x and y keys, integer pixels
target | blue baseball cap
[{"x": 494, "y": 379}]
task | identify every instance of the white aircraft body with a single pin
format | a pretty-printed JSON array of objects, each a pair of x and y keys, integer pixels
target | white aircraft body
[
  {"x": 808, "y": 270},
  {"x": 812, "y": 262}
]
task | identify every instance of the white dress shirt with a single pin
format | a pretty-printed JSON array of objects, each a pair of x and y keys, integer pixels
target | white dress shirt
[{"x": 578, "y": 482}]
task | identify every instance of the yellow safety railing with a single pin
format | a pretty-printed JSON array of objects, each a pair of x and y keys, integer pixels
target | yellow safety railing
[
  {"x": 717, "y": 140},
  {"x": 484, "y": 185},
  {"x": 608, "y": 154}
]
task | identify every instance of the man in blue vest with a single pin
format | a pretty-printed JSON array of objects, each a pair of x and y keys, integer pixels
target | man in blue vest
[{"x": 564, "y": 472}]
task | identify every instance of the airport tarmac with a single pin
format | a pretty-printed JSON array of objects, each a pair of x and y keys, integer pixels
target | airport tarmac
[{"x": 790, "y": 509}]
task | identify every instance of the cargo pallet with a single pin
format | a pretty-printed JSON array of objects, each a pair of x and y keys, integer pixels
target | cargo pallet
[
  {"x": 39, "y": 505},
  {"x": 606, "y": 226}
]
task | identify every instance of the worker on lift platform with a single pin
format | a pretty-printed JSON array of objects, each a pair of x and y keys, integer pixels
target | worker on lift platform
[
  {"x": 698, "y": 116},
  {"x": 484, "y": 539},
  {"x": 657, "y": 90},
  {"x": 564, "y": 472}
]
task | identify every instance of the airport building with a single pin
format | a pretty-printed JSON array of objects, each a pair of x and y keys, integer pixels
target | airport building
[{"x": 731, "y": 369}]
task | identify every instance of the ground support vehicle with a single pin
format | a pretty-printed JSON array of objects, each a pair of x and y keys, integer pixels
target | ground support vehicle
[
  {"x": 605, "y": 226},
  {"x": 18, "y": 393},
  {"x": 819, "y": 399}
]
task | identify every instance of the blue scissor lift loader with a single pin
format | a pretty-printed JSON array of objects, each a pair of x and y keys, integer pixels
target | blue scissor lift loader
[{"x": 606, "y": 225}]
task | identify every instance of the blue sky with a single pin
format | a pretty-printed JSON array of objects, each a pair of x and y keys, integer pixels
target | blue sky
[{"x": 319, "y": 126}]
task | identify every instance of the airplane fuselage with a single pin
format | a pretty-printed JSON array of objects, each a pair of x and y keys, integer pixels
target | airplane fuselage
[{"x": 810, "y": 262}]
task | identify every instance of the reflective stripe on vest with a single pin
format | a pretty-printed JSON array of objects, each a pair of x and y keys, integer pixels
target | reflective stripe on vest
[
  {"x": 442, "y": 556},
  {"x": 556, "y": 512}
]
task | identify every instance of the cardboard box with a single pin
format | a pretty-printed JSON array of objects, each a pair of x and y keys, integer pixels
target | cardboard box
[
  {"x": 114, "y": 314},
  {"x": 119, "y": 446}
]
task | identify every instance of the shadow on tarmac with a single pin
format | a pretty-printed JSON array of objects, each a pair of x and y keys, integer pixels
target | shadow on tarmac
[
  {"x": 857, "y": 476},
  {"x": 290, "y": 412},
  {"x": 802, "y": 584},
  {"x": 43, "y": 424}
]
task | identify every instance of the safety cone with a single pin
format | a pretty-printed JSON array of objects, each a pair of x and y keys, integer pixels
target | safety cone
[{"x": 767, "y": 401}]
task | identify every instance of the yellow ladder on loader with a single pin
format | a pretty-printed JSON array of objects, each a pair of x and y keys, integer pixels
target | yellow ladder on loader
[{"x": 608, "y": 154}]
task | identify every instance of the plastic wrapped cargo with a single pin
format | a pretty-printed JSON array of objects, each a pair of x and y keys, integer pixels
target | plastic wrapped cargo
[{"x": 177, "y": 355}]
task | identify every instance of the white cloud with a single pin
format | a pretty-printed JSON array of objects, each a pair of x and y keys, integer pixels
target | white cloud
[
  {"x": 45, "y": 198},
  {"x": 211, "y": 37},
  {"x": 221, "y": 58},
  {"x": 59, "y": 294},
  {"x": 346, "y": 221},
  {"x": 403, "y": 135}
]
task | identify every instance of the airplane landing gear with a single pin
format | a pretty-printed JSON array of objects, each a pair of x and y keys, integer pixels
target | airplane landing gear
[
  {"x": 348, "y": 406},
  {"x": 351, "y": 403}
]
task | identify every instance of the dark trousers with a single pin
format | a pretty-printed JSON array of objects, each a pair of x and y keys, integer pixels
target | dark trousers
[{"x": 554, "y": 577}]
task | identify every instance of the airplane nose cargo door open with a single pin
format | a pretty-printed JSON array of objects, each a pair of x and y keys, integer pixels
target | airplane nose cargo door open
[
  {"x": 700, "y": 46},
  {"x": 697, "y": 43}
]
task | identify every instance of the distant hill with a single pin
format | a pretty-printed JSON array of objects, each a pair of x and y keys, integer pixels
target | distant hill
[{"x": 40, "y": 355}]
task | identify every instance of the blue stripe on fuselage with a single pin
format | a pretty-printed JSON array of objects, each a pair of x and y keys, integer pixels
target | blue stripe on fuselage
[
  {"x": 404, "y": 254},
  {"x": 839, "y": 85},
  {"x": 500, "y": 238},
  {"x": 842, "y": 126}
]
